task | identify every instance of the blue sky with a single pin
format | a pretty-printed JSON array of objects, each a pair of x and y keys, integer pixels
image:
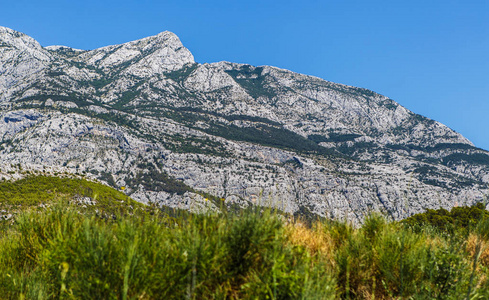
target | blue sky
[{"x": 431, "y": 56}]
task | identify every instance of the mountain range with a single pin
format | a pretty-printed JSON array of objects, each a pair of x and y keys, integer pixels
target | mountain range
[{"x": 144, "y": 117}]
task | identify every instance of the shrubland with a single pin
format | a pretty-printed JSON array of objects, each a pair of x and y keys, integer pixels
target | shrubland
[{"x": 63, "y": 250}]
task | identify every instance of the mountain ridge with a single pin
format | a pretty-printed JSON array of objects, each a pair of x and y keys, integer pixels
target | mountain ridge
[{"x": 143, "y": 113}]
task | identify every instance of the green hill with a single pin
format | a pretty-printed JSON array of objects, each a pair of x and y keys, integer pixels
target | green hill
[{"x": 39, "y": 192}]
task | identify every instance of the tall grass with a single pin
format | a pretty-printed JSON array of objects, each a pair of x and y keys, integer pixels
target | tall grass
[{"x": 60, "y": 253}]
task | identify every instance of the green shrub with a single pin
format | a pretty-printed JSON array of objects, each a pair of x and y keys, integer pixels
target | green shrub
[
  {"x": 60, "y": 253},
  {"x": 458, "y": 219}
]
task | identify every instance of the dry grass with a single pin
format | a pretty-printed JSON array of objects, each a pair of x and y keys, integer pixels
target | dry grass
[
  {"x": 314, "y": 240},
  {"x": 472, "y": 242}
]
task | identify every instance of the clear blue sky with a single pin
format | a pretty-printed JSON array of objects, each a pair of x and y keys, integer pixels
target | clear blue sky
[{"x": 431, "y": 56}]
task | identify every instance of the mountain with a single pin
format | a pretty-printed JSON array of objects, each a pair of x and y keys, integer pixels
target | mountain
[{"x": 145, "y": 116}]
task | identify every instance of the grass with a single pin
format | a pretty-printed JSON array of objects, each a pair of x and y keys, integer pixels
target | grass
[
  {"x": 61, "y": 253},
  {"x": 37, "y": 193},
  {"x": 118, "y": 249},
  {"x": 34, "y": 190}
]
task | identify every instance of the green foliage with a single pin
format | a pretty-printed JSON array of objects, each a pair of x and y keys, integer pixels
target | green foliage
[
  {"x": 253, "y": 81},
  {"x": 422, "y": 119},
  {"x": 54, "y": 73},
  {"x": 76, "y": 98},
  {"x": 126, "y": 97},
  {"x": 267, "y": 136},
  {"x": 197, "y": 145},
  {"x": 264, "y": 132},
  {"x": 204, "y": 114},
  {"x": 458, "y": 158},
  {"x": 60, "y": 253},
  {"x": 107, "y": 177},
  {"x": 64, "y": 251},
  {"x": 426, "y": 170},
  {"x": 181, "y": 74},
  {"x": 67, "y": 51},
  {"x": 99, "y": 83},
  {"x": 38, "y": 191},
  {"x": 431, "y": 175},
  {"x": 449, "y": 146},
  {"x": 63, "y": 254},
  {"x": 449, "y": 160},
  {"x": 154, "y": 180},
  {"x": 389, "y": 104},
  {"x": 356, "y": 149},
  {"x": 459, "y": 218},
  {"x": 389, "y": 260}
]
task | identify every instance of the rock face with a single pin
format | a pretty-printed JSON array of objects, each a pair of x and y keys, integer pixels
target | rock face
[{"x": 145, "y": 116}]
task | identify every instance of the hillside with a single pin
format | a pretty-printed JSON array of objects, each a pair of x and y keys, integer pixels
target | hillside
[
  {"x": 39, "y": 193},
  {"x": 146, "y": 116}
]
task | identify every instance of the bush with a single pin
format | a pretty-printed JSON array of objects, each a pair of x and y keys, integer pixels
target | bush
[
  {"x": 457, "y": 220},
  {"x": 60, "y": 253}
]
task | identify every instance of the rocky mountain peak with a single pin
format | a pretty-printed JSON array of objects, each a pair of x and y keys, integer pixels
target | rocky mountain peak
[
  {"x": 10, "y": 38},
  {"x": 62, "y": 48},
  {"x": 144, "y": 116},
  {"x": 20, "y": 58},
  {"x": 163, "y": 52},
  {"x": 145, "y": 57}
]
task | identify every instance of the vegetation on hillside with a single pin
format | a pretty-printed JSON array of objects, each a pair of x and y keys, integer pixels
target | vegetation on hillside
[
  {"x": 60, "y": 253},
  {"x": 35, "y": 190},
  {"x": 457, "y": 220},
  {"x": 39, "y": 192}
]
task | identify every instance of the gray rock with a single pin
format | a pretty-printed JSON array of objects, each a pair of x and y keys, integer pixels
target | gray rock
[{"x": 145, "y": 116}]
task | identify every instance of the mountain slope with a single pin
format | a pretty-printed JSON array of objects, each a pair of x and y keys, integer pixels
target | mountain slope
[
  {"x": 145, "y": 116},
  {"x": 37, "y": 193}
]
